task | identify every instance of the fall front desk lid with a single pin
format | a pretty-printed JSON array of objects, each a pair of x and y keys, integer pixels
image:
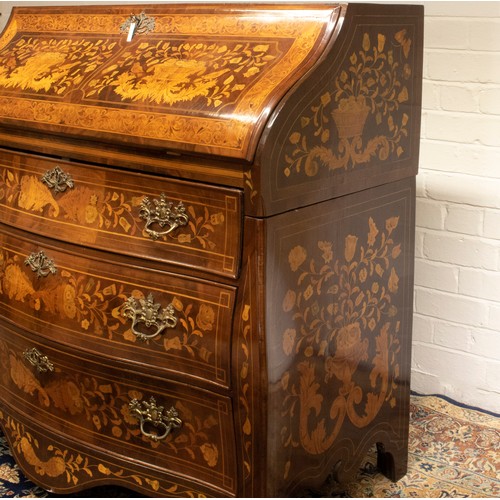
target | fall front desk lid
[{"x": 199, "y": 78}]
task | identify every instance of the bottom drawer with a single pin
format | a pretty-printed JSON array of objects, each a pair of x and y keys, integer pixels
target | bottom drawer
[
  {"x": 65, "y": 467},
  {"x": 169, "y": 426}
]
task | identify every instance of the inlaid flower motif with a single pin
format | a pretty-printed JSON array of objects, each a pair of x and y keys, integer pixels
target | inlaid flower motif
[
  {"x": 372, "y": 235},
  {"x": 391, "y": 224},
  {"x": 217, "y": 218},
  {"x": 289, "y": 300},
  {"x": 38, "y": 72},
  {"x": 350, "y": 350},
  {"x": 91, "y": 212},
  {"x": 406, "y": 71},
  {"x": 67, "y": 396},
  {"x": 351, "y": 242},
  {"x": 170, "y": 73},
  {"x": 393, "y": 281},
  {"x": 177, "y": 304},
  {"x": 170, "y": 81},
  {"x": 16, "y": 284},
  {"x": 289, "y": 340},
  {"x": 308, "y": 293},
  {"x": 210, "y": 453},
  {"x": 69, "y": 297},
  {"x": 97, "y": 422},
  {"x": 173, "y": 343},
  {"x": 24, "y": 379},
  {"x": 402, "y": 38},
  {"x": 363, "y": 274},
  {"x": 296, "y": 257},
  {"x": 205, "y": 318},
  {"x": 326, "y": 247}
]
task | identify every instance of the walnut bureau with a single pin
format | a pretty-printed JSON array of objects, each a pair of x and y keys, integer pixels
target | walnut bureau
[{"x": 206, "y": 243}]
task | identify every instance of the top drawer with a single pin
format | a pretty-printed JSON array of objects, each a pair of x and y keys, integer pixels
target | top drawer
[{"x": 178, "y": 222}]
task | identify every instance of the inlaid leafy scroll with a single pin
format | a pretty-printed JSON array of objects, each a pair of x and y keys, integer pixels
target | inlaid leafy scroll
[
  {"x": 342, "y": 326},
  {"x": 74, "y": 468},
  {"x": 171, "y": 73},
  {"x": 159, "y": 73},
  {"x": 371, "y": 87}
]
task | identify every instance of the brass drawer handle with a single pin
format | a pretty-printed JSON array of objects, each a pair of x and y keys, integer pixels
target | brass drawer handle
[
  {"x": 41, "y": 264},
  {"x": 151, "y": 413},
  {"x": 162, "y": 213},
  {"x": 57, "y": 180},
  {"x": 38, "y": 360},
  {"x": 145, "y": 311}
]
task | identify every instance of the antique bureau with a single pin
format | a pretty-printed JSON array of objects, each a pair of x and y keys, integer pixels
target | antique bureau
[{"x": 206, "y": 243}]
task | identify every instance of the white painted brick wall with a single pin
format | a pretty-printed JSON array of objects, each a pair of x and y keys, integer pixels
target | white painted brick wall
[{"x": 457, "y": 273}]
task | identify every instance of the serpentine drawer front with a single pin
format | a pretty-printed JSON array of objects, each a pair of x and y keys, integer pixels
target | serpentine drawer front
[
  {"x": 169, "y": 322},
  {"x": 172, "y": 221},
  {"x": 177, "y": 427},
  {"x": 207, "y": 217}
]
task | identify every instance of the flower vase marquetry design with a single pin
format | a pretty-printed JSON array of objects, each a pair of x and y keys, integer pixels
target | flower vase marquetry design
[
  {"x": 350, "y": 117},
  {"x": 341, "y": 327},
  {"x": 363, "y": 116}
]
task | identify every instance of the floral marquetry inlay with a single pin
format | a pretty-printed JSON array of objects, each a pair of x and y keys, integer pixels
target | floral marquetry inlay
[
  {"x": 341, "y": 315},
  {"x": 54, "y": 66},
  {"x": 74, "y": 468},
  {"x": 172, "y": 73},
  {"x": 105, "y": 209},
  {"x": 96, "y": 308},
  {"x": 201, "y": 79},
  {"x": 372, "y": 86},
  {"x": 191, "y": 226},
  {"x": 105, "y": 408}
]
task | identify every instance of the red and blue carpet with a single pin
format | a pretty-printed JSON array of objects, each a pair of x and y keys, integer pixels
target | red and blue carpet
[{"x": 454, "y": 451}]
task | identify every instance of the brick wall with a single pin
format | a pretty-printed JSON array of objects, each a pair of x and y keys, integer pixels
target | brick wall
[{"x": 457, "y": 294}]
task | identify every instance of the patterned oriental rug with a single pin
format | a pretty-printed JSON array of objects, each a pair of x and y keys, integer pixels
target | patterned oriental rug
[{"x": 454, "y": 451}]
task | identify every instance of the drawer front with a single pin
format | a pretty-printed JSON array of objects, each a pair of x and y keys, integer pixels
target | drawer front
[
  {"x": 172, "y": 221},
  {"x": 64, "y": 466},
  {"x": 176, "y": 324},
  {"x": 189, "y": 431}
]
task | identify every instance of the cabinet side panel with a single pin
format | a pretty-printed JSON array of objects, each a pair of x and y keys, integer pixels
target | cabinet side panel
[
  {"x": 355, "y": 122},
  {"x": 338, "y": 335}
]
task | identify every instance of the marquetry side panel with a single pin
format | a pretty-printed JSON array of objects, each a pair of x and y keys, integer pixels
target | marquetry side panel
[
  {"x": 357, "y": 120},
  {"x": 339, "y": 333}
]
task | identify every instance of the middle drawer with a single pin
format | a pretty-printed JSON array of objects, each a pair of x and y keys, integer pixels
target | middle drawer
[{"x": 174, "y": 324}]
